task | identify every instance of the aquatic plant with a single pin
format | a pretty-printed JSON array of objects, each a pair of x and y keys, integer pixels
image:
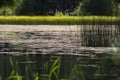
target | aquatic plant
[
  {"x": 15, "y": 73},
  {"x": 55, "y": 69},
  {"x": 77, "y": 73}
]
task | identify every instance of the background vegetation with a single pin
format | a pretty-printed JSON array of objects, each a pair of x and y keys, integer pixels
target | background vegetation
[
  {"x": 97, "y": 7},
  {"x": 50, "y": 7}
]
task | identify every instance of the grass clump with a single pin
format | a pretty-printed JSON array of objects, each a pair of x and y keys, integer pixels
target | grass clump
[{"x": 60, "y": 20}]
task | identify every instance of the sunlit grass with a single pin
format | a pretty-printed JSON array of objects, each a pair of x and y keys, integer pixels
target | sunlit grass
[{"x": 59, "y": 20}]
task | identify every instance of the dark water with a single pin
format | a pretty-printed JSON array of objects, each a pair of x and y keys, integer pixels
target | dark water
[
  {"x": 61, "y": 55},
  {"x": 72, "y": 67}
]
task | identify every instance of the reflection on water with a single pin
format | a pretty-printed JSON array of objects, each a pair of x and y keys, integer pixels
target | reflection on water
[{"x": 60, "y": 55}]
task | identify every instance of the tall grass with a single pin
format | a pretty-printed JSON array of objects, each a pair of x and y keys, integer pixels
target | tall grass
[
  {"x": 15, "y": 73},
  {"x": 30, "y": 74},
  {"x": 60, "y": 20},
  {"x": 55, "y": 69},
  {"x": 18, "y": 74},
  {"x": 77, "y": 73}
]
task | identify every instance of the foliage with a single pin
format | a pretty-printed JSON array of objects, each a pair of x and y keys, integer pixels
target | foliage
[
  {"x": 116, "y": 9},
  {"x": 58, "y": 13},
  {"x": 17, "y": 6},
  {"x": 4, "y": 3},
  {"x": 51, "y": 69},
  {"x": 119, "y": 10},
  {"x": 16, "y": 73},
  {"x": 33, "y": 7},
  {"x": 55, "y": 69},
  {"x": 48, "y": 7},
  {"x": 36, "y": 76},
  {"x": 77, "y": 73},
  {"x": 97, "y": 7},
  {"x": 59, "y": 20},
  {"x": 78, "y": 10},
  {"x": 6, "y": 11},
  {"x": 14, "y": 76},
  {"x": 26, "y": 7}
]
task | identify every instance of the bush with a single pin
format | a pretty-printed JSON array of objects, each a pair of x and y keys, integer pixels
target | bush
[{"x": 97, "y": 7}]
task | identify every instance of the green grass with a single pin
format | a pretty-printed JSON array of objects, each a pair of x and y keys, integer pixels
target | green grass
[{"x": 59, "y": 20}]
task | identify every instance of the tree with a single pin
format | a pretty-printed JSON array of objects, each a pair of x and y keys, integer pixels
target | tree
[
  {"x": 8, "y": 7},
  {"x": 118, "y": 1},
  {"x": 97, "y": 7},
  {"x": 4, "y": 3},
  {"x": 33, "y": 7}
]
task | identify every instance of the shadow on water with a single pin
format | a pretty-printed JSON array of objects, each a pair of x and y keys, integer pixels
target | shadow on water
[{"x": 59, "y": 67}]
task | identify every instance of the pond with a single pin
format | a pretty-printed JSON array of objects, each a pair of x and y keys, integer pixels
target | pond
[{"x": 43, "y": 52}]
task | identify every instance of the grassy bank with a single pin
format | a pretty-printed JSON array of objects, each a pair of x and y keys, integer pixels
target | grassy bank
[{"x": 59, "y": 20}]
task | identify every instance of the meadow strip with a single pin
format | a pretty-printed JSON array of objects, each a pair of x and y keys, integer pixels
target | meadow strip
[{"x": 60, "y": 20}]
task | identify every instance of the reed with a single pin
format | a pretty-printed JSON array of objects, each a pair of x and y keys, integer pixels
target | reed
[
  {"x": 77, "y": 73},
  {"x": 15, "y": 73},
  {"x": 55, "y": 69}
]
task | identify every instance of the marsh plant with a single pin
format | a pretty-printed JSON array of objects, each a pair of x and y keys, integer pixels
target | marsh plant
[
  {"x": 18, "y": 74},
  {"x": 15, "y": 73},
  {"x": 108, "y": 67},
  {"x": 77, "y": 73},
  {"x": 99, "y": 35},
  {"x": 52, "y": 70},
  {"x": 55, "y": 69}
]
